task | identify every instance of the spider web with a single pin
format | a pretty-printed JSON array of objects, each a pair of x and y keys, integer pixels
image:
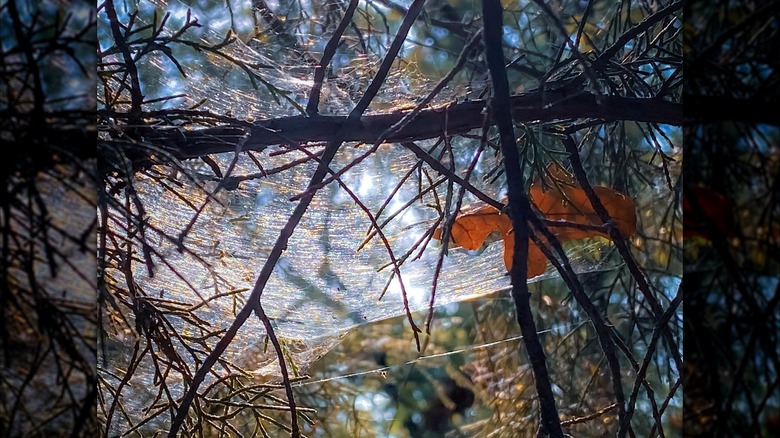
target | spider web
[{"x": 323, "y": 286}]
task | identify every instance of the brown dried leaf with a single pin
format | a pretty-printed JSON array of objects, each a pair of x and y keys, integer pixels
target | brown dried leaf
[{"x": 563, "y": 200}]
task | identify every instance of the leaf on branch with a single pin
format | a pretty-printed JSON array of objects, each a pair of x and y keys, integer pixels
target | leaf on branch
[{"x": 562, "y": 201}]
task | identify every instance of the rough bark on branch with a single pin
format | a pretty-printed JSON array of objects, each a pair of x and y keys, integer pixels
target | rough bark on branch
[{"x": 458, "y": 118}]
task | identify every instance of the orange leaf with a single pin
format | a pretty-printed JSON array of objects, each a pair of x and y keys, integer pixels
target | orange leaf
[
  {"x": 562, "y": 201},
  {"x": 474, "y": 229},
  {"x": 471, "y": 229},
  {"x": 567, "y": 201}
]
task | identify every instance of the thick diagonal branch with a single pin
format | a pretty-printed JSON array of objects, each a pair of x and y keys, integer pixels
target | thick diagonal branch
[{"x": 253, "y": 301}]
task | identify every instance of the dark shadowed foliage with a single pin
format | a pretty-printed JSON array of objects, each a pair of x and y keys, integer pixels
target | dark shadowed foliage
[
  {"x": 48, "y": 331},
  {"x": 732, "y": 163}
]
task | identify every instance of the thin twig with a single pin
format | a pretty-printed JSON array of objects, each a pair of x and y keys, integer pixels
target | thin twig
[
  {"x": 129, "y": 63},
  {"x": 620, "y": 243},
  {"x": 269, "y": 330},
  {"x": 327, "y": 55},
  {"x": 652, "y": 345}
]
